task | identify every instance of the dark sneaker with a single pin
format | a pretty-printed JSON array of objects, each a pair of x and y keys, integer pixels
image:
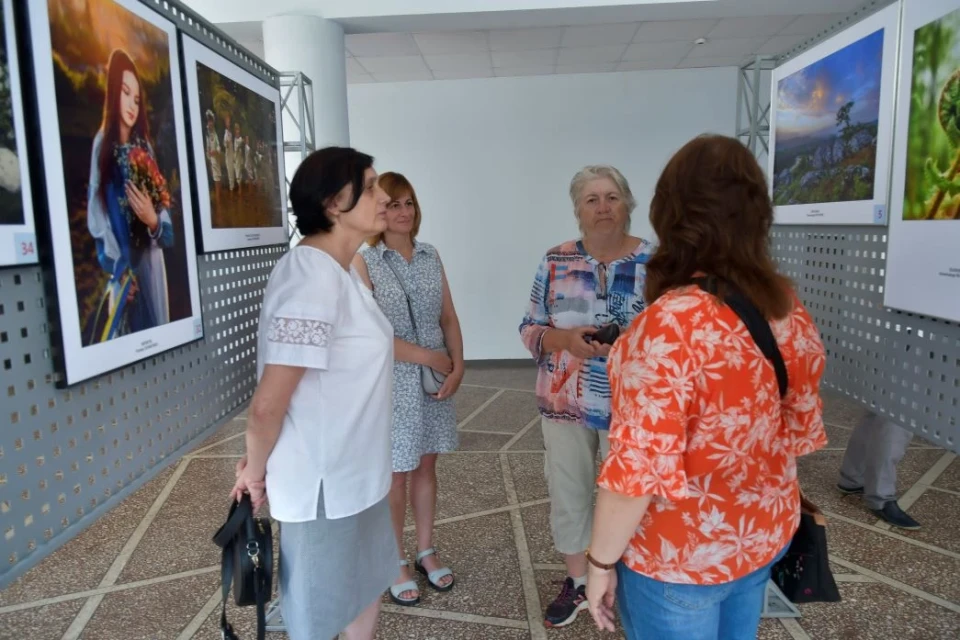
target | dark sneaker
[
  {"x": 894, "y": 515},
  {"x": 850, "y": 491},
  {"x": 564, "y": 609}
]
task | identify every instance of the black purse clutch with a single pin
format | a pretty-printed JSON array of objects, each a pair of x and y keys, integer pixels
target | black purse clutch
[
  {"x": 803, "y": 574},
  {"x": 246, "y": 564}
]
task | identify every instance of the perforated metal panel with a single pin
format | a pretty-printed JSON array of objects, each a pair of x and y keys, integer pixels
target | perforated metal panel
[
  {"x": 66, "y": 456},
  {"x": 900, "y": 365},
  {"x": 65, "y": 453}
]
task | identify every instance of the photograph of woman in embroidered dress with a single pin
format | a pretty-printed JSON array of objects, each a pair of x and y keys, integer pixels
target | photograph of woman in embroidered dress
[
  {"x": 113, "y": 140},
  {"x": 128, "y": 211}
]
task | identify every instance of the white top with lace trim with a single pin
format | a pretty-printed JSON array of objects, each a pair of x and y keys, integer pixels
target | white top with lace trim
[{"x": 336, "y": 433}]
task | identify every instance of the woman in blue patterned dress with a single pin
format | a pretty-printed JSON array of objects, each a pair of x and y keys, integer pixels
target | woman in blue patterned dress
[
  {"x": 396, "y": 266},
  {"x": 129, "y": 230}
]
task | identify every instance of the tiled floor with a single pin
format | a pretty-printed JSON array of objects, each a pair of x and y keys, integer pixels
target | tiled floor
[{"x": 148, "y": 569}]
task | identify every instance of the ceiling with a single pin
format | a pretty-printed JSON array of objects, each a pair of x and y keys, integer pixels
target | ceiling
[
  {"x": 451, "y": 55},
  {"x": 394, "y": 41}
]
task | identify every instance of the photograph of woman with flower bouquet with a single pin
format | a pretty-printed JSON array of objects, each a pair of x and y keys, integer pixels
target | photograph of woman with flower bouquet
[
  {"x": 128, "y": 211},
  {"x": 115, "y": 169}
]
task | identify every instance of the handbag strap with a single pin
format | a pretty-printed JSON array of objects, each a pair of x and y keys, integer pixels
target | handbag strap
[
  {"x": 226, "y": 579},
  {"x": 240, "y": 516},
  {"x": 756, "y": 324},
  {"x": 239, "y": 512},
  {"x": 413, "y": 320}
]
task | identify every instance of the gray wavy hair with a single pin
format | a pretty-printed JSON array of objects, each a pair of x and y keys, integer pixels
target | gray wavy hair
[{"x": 594, "y": 171}]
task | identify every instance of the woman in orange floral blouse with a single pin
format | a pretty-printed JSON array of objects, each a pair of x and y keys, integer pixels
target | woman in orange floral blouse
[{"x": 699, "y": 495}]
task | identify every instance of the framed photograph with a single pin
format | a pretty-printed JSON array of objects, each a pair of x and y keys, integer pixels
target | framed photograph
[
  {"x": 923, "y": 255},
  {"x": 831, "y": 127},
  {"x": 107, "y": 76},
  {"x": 18, "y": 243},
  {"x": 238, "y": 161}
]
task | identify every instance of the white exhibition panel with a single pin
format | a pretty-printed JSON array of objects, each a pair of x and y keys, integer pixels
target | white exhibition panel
[
  {"x": 923, "y": 257},
  {"x": 828, "y": 154},
  {"x": 222, "y": 239},
  {"x": 492, "y": 159},
  {"x": 18, "y": 242},
  {"x": 85, "y": 362}
]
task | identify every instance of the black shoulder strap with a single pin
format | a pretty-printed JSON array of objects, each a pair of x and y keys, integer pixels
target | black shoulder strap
[
  {"x": 413, "y": 319},
  {"x": 756, "y": 324},
  {"x": 225, "y": 538}
]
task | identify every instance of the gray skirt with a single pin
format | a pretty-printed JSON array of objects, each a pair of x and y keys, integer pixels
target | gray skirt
[{"x": 331, "y": 570}]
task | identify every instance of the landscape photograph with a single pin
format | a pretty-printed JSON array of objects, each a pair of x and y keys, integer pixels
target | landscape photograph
[{"x": 826, "y": 122}]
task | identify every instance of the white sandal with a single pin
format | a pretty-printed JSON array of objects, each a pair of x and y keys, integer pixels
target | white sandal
[
  {"x": 434, "y": 577},
  {"x": 409, "y": 585}
]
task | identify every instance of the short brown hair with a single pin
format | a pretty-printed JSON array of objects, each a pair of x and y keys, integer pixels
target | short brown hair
[
  {"x": 395, "y": 185},
  {"x": 712, "y": 213}
]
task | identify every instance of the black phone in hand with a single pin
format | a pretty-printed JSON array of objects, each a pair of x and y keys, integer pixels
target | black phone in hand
[{"x": 607, "y": 334}]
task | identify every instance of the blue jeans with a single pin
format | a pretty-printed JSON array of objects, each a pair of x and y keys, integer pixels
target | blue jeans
[{"x": 654, "y": 610}]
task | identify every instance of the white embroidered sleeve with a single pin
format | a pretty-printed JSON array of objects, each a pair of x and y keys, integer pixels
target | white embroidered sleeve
[
  {"x": 298, "y": 340},
  {"x": 308, "y": 333},
  {"x": 302, "y": 311}
]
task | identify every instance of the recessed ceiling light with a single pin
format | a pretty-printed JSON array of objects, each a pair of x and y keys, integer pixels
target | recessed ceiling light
[{"x": 700, "y": 41}]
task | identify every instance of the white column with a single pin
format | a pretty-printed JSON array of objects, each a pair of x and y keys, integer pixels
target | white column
[{"x": 314, "y": 47}]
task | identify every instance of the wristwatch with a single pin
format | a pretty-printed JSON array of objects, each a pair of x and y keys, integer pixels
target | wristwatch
[{"x": 598, "y": 564}]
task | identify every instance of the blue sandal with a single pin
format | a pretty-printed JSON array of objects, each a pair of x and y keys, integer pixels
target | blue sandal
[{"x": 434, "y": 577}]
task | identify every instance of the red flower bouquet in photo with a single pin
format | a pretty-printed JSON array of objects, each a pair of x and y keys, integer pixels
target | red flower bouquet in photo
[
  {"x": 145, "y": 175},
  {"x": 137, "y": 165}
]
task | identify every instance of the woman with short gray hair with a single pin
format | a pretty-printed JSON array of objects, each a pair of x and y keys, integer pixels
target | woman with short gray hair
[{"x": 584, "y": 292}]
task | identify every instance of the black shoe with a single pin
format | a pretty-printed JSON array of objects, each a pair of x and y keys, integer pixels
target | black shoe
[
  {"x": 894, "y": 515},
  {"x": 564, "y": 609},
  {"x": 850, "y": 491}
]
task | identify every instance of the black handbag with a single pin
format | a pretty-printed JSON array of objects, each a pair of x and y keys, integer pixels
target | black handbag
[
  {"x": 246, "y": 564},
  {"x": 803, "y": 574}
]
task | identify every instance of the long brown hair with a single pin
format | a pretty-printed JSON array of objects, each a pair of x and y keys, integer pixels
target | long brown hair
[
  {"x": 712, "y": 214},
  {"x": 396, "y": 185},
  {"x": 110, "y": 126}
]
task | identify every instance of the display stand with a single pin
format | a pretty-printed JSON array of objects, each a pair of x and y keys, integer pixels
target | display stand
[
  {"x": 299, "y": 137},
  {"x": 753, "y": 117},
  {"x": 895, "y": 364},
  {"x": 898, "y": 365},
  {"x": 107, "y": 437}
]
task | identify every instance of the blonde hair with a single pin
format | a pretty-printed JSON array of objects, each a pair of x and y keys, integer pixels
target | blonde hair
[
  {"x": 395, "y": 185},
  {"x": 593, "y": 172}
]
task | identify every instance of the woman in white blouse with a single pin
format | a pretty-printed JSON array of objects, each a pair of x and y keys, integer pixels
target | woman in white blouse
[{"x": 318, "y": 430}]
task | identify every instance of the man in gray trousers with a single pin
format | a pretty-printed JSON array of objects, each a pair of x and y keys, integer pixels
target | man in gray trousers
[{"x": 870, "y": 468}]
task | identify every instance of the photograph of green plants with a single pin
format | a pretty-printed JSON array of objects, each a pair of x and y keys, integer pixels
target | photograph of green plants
[{"x": 932, "y": 188}]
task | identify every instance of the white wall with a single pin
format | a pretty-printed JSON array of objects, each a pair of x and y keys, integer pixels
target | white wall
[{"x": 492, "y": 159}]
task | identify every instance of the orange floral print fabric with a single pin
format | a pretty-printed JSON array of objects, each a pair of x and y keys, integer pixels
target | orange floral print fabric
[{"x": 698, "y": 423}]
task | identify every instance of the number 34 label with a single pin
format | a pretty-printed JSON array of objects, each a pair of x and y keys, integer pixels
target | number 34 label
[{"x": 25, "y": 248}]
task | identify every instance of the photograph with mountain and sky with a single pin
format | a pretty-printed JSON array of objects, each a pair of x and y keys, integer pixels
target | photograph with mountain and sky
[{"x": 826, "y": 127}]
